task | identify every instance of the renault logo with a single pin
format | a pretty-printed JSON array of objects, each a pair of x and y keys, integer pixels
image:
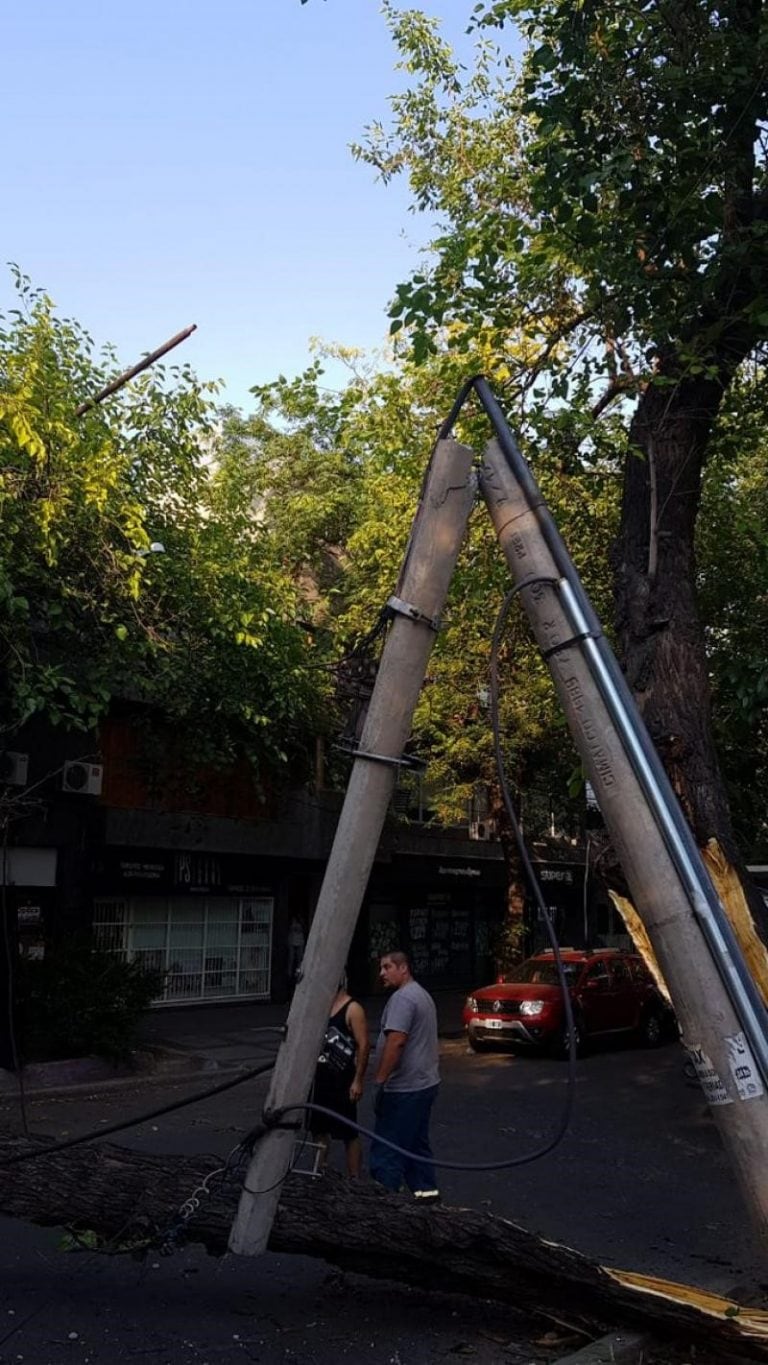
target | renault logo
[{"x": 496, "y": 1006}]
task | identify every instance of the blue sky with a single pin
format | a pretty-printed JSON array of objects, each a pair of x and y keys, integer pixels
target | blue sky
[{"x": 169, "y": 162}]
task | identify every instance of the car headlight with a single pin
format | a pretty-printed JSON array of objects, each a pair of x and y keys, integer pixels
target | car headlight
[
  {"x": 471, "y": 1004},
  {"x": 531, "y": 1007}
]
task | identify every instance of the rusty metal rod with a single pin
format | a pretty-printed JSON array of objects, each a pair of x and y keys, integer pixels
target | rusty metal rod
[{"x": 135, "y": 369}]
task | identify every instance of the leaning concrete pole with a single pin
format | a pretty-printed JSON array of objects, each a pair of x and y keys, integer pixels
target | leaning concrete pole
[
  {"x": 654, "y": 866},
  {"x": 436, "y": 537}
]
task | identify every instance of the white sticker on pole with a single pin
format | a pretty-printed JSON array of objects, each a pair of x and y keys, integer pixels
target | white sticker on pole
[
  {"x": 743, "y": 1068},
  {"x": 714, "y": 1090}
]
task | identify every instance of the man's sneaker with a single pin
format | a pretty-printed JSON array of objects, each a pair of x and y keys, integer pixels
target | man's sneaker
[{"x": 427, "y": 1196}]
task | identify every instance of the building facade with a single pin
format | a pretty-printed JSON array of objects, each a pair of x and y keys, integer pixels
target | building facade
[{"x": 215, "y": 885}]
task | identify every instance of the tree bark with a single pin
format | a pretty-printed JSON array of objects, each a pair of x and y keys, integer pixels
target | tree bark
[
  {"x": 130, "y": 1199},
  {"x": 660, "y": 636},
  {"x": 512, "y": 942}
]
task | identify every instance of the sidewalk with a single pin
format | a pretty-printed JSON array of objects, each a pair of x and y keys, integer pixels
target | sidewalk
[
  {"x": 227, "y": 1035},
  {"x": 179, "y": 1040}
]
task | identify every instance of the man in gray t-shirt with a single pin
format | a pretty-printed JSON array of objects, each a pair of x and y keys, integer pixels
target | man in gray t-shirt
[{"x": 407, "y": 1078}]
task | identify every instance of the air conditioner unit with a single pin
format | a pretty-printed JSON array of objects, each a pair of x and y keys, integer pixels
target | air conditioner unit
[
  {"x": 481, "y": 829},
  {"x": 13, "y": 768},
  {"x": 84, "y": 779}
]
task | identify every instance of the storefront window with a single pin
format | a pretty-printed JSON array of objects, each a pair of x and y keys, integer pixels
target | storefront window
[{"x": 216, "y": 947}]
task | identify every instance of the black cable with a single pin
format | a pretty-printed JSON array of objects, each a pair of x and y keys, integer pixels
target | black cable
[
  {"x": 528, "y": 868},
  {"x": 142, "y": 1118},
  {"x": 249, "y": 1142},
  {"x": 533, "y": 881},
  {"x": 277, "y": 1115}
]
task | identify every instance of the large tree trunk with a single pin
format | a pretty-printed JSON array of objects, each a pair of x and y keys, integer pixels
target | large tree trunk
[
  {"x": 130, "y": 1199},
  {"x": 660, "y": 636},
  {"x": 512, "y": 946}
]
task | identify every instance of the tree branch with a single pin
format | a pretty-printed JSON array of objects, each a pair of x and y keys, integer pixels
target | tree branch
[{"x": 131, "y": 1198}]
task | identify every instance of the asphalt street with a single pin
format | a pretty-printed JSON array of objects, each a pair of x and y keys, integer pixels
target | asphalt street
[{"x": 640, "y": 1182}]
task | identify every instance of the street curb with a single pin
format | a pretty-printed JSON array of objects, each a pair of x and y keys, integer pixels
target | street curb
[
  {"x": 156, "y": 1061},
  {"x": 85, "y": 1075},
  {"x": 616, "y": 1348}
]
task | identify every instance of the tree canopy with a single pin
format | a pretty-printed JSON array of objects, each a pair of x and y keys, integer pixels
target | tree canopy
[
  {"x": 341, "y": 474},
  {"x": 132, "y": 561},
  {"x": 608, "y": 200},
  {"x": 615, "y": 184}
]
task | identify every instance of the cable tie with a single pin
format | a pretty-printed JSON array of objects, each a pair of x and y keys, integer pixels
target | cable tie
[
  {"x": 547, "y": 654},
  {"x": 274, "y": 1118}
]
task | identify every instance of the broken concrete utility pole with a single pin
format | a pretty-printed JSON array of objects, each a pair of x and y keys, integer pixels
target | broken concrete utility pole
[
  {"x": 436, "y": 537},
  {"x": 723, "y": 1019}
]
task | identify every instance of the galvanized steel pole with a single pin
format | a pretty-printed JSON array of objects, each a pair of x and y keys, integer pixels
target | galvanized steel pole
[
  {"x": 615, "y": 693},
  {"x": 660, "y": 870}
]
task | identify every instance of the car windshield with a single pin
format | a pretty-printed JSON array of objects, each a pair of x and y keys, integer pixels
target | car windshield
[{"x": 535, "y": 970}]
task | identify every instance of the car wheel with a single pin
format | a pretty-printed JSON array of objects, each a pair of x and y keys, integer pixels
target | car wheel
[
  {"x": 561, "y": 1044},
  {"x": 652, "y": 1029},
  {"x": 475, "y": 1045}
]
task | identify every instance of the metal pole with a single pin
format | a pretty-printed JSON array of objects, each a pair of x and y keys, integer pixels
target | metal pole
[
  {"x": 639, "y": 813},
  {"x": 144, "y": 364},
  {"x": 615, "y": 693},
  {"x": 436, "y": 538}
]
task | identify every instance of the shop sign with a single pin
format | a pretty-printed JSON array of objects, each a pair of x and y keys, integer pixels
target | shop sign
[
  {"x": 197, "y": 871},
  {"x": 556, "y": 874},
  {"x": 135, "y": 870},
  {"x": 162, "y": 873}
]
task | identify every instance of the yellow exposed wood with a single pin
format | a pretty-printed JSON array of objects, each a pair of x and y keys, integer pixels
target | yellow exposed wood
[
  {"x": 732, "y": 897},
  {"x": 730, "y": 891},
  {"x": 751, "y": 1323},
  {"x": 639, "y": 935}
]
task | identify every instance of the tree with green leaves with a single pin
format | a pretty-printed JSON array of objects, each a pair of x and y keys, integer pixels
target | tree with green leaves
[
  {"x": 132, "y": 561},
  {"x": 341, "y": 474},
  {"x": 611, "y": 197},
  {"x": 732, "y": 555}
]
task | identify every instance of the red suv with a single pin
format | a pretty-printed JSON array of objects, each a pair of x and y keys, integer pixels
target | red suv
[{"x": 612, "y": 992}]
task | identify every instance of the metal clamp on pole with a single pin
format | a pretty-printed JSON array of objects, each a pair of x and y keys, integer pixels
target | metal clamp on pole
[
  {"x": 402, "y": 608},
  {"x": 404, "y": 762}
]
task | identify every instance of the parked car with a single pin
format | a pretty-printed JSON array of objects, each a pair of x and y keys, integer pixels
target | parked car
[{"x": 612, "y": 992}]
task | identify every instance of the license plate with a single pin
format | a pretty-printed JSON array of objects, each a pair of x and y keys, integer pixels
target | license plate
[{"x": 493, "y": 1023}]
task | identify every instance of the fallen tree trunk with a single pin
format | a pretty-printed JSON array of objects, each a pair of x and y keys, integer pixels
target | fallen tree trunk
[{"x": 127, "y": 1197}]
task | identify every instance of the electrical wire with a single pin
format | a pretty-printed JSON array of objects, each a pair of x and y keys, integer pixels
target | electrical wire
[
  {"x": 565, "y": 1116},
  {"x": 276, "y": 1116},
  {"x": 142, "y": 1118},
  {"x": 249, "y": 1141}
]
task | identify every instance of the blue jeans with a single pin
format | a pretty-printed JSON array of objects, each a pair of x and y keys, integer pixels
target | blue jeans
[{"x": 403, "y": 1117}]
